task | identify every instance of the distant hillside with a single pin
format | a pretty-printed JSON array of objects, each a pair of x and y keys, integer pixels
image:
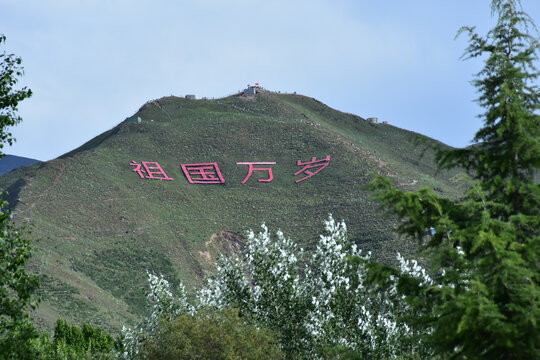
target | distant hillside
[
  {"x": 101, "y": 226},
  {"x": 11, "y": 162}
]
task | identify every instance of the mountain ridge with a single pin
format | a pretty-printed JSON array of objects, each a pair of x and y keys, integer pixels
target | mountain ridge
[{"x": 101, "y": 226}]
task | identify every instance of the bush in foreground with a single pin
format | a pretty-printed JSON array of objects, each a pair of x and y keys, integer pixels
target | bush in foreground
[{"x": 220, "y": 335}]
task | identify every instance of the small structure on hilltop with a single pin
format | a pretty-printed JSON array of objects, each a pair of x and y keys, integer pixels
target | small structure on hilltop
[
  {"x": 190, "y": 97},
  {"x": 373, "y": 120},
  {"x": 252, "y": 89},
  {"x": 385, "y": 122},
  {"x": 134, "y": 119}
]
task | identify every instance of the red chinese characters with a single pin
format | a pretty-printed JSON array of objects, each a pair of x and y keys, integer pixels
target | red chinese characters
[
  {"x": 204, "y": 173},
  {"x": 252, "y": 168},
  {"x": 314, "y": 163},
  {"x": 152, "y": 170},
  {"x": 209, "y": 173}
]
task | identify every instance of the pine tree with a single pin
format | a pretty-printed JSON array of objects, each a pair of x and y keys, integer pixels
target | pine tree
[{"x": 484, "y": 254}]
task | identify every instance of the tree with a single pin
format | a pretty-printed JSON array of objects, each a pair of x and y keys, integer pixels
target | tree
[
  {"x": 16, "y": 285},
  {"x": 484, "y": 301},
  {"x": 304, "y": 301},
  {"x": 17, "y": 289},
  {"x": 10, "y": 70},
  {"x": 75, "y": 343},
  {"x": 211, "y": 335}
]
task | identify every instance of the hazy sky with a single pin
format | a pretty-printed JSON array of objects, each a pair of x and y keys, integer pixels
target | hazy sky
[{"x": 91, "y": 64}]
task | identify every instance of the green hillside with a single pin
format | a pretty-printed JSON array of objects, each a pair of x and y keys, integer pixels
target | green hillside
[{"x": 101, "y": 227}]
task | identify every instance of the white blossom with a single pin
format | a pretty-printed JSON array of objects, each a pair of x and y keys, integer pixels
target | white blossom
[{"x": 312, "y": 301}]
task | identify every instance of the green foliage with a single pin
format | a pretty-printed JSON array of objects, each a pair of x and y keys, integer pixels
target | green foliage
[
  {"x": 483, "y": 254},
  {"x": 10, "y": 70},
  {"x": 71, "y": 342},
  {"x": 509, "y": 146},
  {"x": 17, "y": 289},
  {"x": 83, "y": 339},
  {"x": 210, "y": 335},
  {"x": 118, "y": 262}
]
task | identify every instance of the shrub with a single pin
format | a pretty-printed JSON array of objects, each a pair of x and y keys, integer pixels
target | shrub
[{"x": 210, "y": 335}]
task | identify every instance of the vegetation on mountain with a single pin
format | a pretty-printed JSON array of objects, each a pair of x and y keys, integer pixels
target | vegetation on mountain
[
  {"x": 478, "y": 297},
  {"x": 269, "y": 298},
  {"x": 110, "y": 226},
  {"x": 483, "y": 300}
]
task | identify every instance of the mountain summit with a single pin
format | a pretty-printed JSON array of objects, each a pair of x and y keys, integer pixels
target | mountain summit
[{"x": 181, "y": 181}]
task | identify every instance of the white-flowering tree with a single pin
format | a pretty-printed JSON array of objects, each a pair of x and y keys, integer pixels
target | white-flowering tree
[
  {"x": 311, "y": 302},
  {"x": 266, "y": 286},
  {"x": 162, "y": 306}
]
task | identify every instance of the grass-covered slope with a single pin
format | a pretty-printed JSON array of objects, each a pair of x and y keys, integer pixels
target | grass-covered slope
[{"x": 101, "y": 227}]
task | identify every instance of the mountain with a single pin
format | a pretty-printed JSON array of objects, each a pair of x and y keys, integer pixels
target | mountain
[
  {"x": 101, "y": 226},
  {"x": 12, "y": 162}
]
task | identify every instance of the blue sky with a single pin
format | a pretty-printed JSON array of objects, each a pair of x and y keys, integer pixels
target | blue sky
[{"x": 91, "y": 64}]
